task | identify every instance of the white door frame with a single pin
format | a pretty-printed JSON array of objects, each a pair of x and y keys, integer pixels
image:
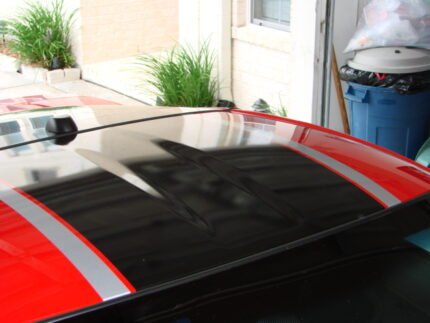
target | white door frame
[
  {"x": 203, "y": 21},
  {"x": 322, "y": 63}
]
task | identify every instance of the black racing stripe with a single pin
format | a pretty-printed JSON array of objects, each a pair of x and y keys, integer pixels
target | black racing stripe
[{"x": 151, "y": 243}]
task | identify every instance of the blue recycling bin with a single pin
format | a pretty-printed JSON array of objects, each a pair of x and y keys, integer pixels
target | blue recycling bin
[{"x": 384, "y": 117}]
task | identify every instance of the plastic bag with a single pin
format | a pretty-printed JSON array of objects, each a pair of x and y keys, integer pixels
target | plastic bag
[
  {"x": 401, "y": 83},
  {"x": 393, "y": 23}
]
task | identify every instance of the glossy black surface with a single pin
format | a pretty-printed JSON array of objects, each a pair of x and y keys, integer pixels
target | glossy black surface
[
  {"x": 193, "y": 206},
  {"x": 369, "y": 273},
  {"x": 61, "y": 125},
  {"x": 202, "y": 207}
]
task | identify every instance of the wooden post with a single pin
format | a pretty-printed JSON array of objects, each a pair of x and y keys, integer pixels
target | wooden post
[{"x": 339, "y": 92}]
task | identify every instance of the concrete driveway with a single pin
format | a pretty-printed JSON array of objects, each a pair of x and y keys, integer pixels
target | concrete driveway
[{"x": 13, "y": 85}]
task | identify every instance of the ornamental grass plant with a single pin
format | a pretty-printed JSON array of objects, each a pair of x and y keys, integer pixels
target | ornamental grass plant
[
  {"x": 182, "y": 77},
  {"x": 262, "y": 106},
  {"x": 40, "y": 35},
  {"x": 3, "y": 32}
]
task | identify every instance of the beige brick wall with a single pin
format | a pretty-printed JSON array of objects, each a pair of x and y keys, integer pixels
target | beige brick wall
[
  {"x": 259, "y": 72},
  {"x": 113, "y": 29},
  {"x": 261, "y": 61},
  {"x": 274, "y": 65}
]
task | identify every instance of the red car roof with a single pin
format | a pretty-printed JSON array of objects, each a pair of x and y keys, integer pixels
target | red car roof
[{"x": 141, "y": 197}]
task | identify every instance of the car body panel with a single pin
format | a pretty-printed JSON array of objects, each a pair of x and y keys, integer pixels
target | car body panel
[
  {"x": 401, "y": 176},
  {"x": 305, "y": 294},
  {"x": 35, "y": 272},
  {"x": 29, "y": 126},
  {"x": 170, "y": 194}
]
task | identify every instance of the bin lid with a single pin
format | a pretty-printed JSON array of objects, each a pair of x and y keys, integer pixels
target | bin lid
[{"x": 392, "y": 60}]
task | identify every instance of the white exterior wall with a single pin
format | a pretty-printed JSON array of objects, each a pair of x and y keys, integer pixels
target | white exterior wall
[
  {"x": 9, "y": 8},
  {"x": 260, "y": 72},
  {"x": 274, "y": 65},
  {"x": 202, "y": 21}
]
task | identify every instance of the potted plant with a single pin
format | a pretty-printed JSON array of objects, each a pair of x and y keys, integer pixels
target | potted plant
[
  {"x": 181, "y": 77},
  {"x": 40, "y": 36}
]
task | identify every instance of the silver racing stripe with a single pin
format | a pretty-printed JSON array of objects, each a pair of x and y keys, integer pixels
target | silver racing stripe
[
  {"x": 96, "y": 272},
  {"x": 355, "y": 176}
]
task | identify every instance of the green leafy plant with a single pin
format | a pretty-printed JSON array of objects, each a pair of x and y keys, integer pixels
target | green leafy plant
[
  {"x": 279, "y": 111},
  {"x": 3, "y": 31},
  {"x": 182, "y": 77},
  {"x": 40, "y": 35},
  {"x": 262, "y": 106}
]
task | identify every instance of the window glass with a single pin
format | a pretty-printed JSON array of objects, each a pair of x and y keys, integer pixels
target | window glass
[{"x": 271, "y": 13}]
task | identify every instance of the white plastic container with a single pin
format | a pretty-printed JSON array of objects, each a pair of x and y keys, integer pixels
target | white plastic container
[{"x": 392, "y": 60}]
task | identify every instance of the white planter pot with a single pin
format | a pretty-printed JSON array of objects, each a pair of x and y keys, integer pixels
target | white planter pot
[
  {"x": 38, "y": 74},
  {"x": 72, "y": 74},
  {"x": 55, "y": 76},
  {"x": 8, "y": 63},
  {"x": 35, "y": 74}
]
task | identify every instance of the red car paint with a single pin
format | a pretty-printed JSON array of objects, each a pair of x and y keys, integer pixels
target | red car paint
[
  {"x": 25, "y": 252},
  {"x": 379, "y": 164},
  {"x": 24, "y": 256},
  {"x": 52, "y": 289}
]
